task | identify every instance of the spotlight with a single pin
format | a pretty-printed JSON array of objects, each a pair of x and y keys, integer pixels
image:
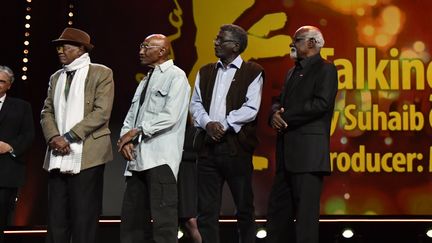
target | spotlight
[
  {"x": 180, "y": 234},
  {"x": 347, "y": 233},
  {"x": 261, "y": 233},
  {"x": 429, "y": 233}
]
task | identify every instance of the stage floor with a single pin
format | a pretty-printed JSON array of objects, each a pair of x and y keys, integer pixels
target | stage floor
[{"x": 366, "y": 230}]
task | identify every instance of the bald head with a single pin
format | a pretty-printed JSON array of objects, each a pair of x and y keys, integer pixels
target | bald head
[
  {"x": 161, "y": 40},
  {"x": 155, "y": 50},
  {"x": 311, "y": 32}
]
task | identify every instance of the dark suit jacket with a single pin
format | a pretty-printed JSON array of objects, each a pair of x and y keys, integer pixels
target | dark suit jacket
[
  {"x": 308, "y": 102},
  {"x": 16, "y": 129}
]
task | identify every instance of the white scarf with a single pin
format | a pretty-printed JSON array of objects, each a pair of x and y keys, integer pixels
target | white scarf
[{"x": 68, "y": 114}]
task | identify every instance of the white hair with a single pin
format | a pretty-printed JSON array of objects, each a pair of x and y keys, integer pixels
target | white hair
[
  {"x": 314, "y": 33},
  {"x": 9, "y": 72}
]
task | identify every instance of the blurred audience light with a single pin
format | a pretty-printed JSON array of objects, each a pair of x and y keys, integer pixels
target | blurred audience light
[
  {"x": 261, "y": 233},
  {"x": 180, "y": 234},
  {"x": 429, "y": 233},
  {"x": 347, "y": 233}
]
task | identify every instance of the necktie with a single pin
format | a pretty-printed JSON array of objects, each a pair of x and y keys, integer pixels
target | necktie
[
  {"x": 69, "y": 78},
  {"x": 144, "y": 91}
]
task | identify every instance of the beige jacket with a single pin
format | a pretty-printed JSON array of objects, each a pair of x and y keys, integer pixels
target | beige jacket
[{"x": 93, "y": 129}]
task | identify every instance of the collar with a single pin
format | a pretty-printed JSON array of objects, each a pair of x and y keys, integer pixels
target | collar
[
  {"x": 164, "y": 66},
  {"x": 3, "y": 98},
  {"x": 308, "y": 61},
  {"x": 236, "y": 63}
]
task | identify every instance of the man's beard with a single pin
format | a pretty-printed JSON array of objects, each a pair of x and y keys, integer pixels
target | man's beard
[{"x": 293, "y": 53}]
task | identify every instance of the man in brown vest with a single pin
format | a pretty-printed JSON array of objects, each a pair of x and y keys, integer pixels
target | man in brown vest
[{"x": 224, "y": 105}]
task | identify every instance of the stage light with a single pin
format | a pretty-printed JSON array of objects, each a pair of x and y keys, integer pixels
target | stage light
[
  {"x": 71, "y": 14},
  {"x": 347, "y": 233},
  {"x": 261, "y": 233},
  {"x": 429, "y": 233},
  {"x": 344, "y": 140},
  {"x": 180, "y": 234},
  {"x": 388, "y": 141},
  {"x": 26, "y": 49}
]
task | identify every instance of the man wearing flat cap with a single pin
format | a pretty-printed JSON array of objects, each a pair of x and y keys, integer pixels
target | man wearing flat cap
[{"x": 74, "y": 121}]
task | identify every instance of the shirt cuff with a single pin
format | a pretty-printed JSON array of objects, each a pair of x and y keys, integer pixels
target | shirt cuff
[
  {"x": 71, "y": 137},
  {"x": 204, "y": 122},
  {"x": 225, "y": 125}
]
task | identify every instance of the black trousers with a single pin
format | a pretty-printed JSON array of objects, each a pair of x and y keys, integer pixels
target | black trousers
[
  {"x": 74, "y": 205},
  {"x": 294, "y": 196},
  {"x": 150, "y": 194},
  {"x": 7, "y": 205},
  {"x": 213, "y": 170}
]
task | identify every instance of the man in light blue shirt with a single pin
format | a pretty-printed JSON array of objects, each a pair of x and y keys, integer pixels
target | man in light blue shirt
[
  {"x": 152, "y": 143},
  {"x": 224, "y": 105}
]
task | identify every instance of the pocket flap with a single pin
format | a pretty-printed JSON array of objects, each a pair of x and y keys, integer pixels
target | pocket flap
[{"x": 162, "y": 92}]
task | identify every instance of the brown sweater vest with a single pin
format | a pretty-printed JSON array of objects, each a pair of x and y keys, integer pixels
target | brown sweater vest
[{"x": 245, "y": 140}]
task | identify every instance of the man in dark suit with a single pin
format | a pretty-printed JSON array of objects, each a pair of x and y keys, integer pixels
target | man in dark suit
[
  {"x": 302, "y": 116},
  {"x": 225, "y": 104},
  {"x": 75, "y": 123},
  {"x": 16, "y": 136}
]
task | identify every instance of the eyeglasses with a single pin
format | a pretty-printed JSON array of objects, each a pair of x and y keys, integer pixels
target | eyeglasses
[
  {"x": 219, "y": 41},
  {"x": 304, "y": 38},
  {"x": 147, "y": 46},
  {"x": 298, "y": 39}
]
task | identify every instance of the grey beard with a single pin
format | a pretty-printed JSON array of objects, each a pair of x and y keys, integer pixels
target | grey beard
[{"x": 293, "y": 53}]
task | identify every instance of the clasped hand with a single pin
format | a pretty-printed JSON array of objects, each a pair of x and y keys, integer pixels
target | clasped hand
[
  {"x": 60, "y": 146},
  {"x": 215, "y": 130},
  {"x": 125, "y": 145},
  {"x": 277, "y": 122}
]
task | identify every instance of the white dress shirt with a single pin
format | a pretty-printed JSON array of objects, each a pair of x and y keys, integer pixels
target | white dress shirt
[{"x": 2, "y": 100}]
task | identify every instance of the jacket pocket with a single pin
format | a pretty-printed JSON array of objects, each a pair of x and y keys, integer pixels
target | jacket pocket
[
  {"x": 101, "y": 132},
  {"x": 168, "y": 186}
]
